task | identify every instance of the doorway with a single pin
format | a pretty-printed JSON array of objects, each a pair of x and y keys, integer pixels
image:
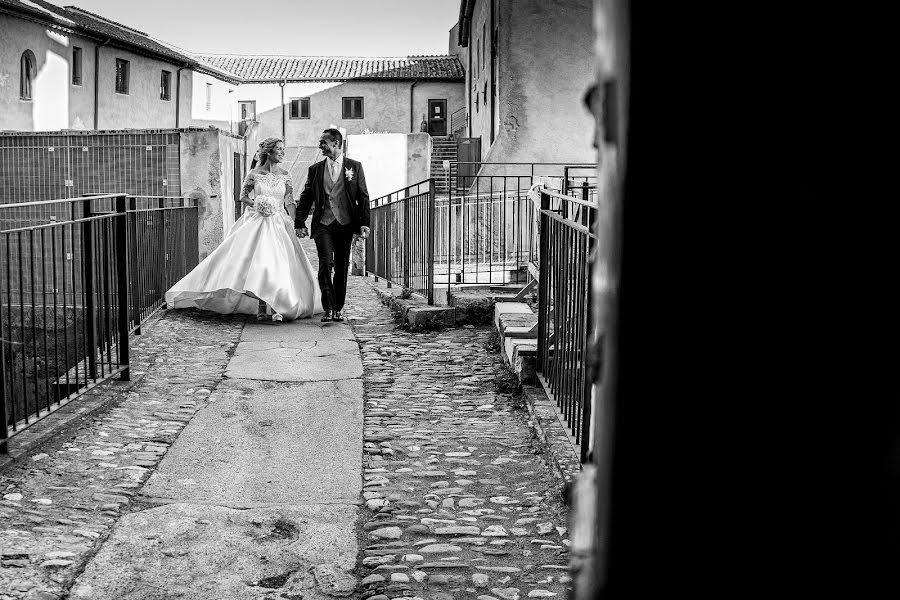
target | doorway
[
  {"x": 437, "y": 117},
  {"x": 238, "y": 182}
]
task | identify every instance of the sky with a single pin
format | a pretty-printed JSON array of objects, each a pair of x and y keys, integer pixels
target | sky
[{"x": 292, "y": 27}]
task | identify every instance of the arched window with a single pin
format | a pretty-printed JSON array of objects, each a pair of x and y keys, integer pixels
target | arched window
[{"x": 27, "y": 69}]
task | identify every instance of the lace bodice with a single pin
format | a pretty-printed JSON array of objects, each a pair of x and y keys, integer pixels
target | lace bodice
[{"x": 279, "y": 186}]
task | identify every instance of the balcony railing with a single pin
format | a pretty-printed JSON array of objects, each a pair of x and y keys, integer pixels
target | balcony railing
[{"x": 77, "y": 276}]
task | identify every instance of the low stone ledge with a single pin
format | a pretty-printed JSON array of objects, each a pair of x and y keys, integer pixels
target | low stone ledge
[
  {"x": 430, "y": 317},
  {"x": 415, "y": 311},
  {"x": 472, "y": 308}
]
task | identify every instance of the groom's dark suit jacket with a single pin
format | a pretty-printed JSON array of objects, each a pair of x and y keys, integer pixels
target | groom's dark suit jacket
[{"x": 313, "y": 196}]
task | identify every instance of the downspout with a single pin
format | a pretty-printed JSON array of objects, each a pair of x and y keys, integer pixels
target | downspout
[
  {"x": 412, "y": 114},
  {"x": 178, "y": 94},
  {"x": 283, "y": 122},
  {"x": 97, "y": 83},
  {"x": 469, "y": 89}
]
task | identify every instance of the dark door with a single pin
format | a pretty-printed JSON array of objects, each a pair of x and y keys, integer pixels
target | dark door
[
  {"x": 238, "y": 180},
  {"x": 468, "y": 156},
  {"x": 437, "y": 117}
]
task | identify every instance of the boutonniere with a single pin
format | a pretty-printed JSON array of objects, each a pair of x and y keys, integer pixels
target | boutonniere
[{"x": 349, "y": 174}]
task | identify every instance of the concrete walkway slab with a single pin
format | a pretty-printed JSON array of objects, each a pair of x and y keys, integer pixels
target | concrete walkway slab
[
  {"x": 264, "y": 442},
  {"x": 301, "y": 329},
  {"x": 322, "y": 360},
  {"x": 215, "y": 553}
]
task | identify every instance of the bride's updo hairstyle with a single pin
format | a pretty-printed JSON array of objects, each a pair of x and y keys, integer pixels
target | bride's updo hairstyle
[{"x": 265, "y": 147}]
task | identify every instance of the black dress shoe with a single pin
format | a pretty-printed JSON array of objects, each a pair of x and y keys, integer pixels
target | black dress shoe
[
  {"x": 327, "y": 316},
  {"x": 337, "y": 316}
]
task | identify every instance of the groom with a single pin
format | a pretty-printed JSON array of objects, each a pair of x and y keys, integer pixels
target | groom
[{"x": 336, "y": 187}]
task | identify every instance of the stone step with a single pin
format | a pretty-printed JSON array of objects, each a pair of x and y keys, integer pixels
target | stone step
[{"x": 506, "y": 308}]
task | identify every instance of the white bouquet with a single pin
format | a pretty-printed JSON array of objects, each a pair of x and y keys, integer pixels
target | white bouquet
[{"x": 265, "y": 205}]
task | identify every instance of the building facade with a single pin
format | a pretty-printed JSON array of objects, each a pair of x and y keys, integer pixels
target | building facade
[
  {"x": 65, "y": 68},
  {"x": 528, "y": 65},
  {"x": 298, "y": 96}
]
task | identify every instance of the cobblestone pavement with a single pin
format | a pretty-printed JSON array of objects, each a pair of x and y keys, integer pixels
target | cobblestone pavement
[
  {"x": 459, "y": 503},
  {"x": 59, "y": 505}
]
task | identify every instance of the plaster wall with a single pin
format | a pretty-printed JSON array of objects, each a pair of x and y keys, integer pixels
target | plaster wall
[
  {"x": 202, "y": 166},
  {"x": 391, "y": 161},
  {"x": 546, "y": 56},
  {"x": 141, "y": 107},
  {"x": 386, "y": 106},
  {"x": 56, "y": 103},
  {"x": 222, "y": 111}
]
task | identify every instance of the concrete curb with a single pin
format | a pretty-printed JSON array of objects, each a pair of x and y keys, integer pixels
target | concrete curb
[{"x": 550, "y": 432}]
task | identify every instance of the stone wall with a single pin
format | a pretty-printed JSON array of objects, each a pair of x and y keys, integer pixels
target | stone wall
[{"x": 207, "y": 174}]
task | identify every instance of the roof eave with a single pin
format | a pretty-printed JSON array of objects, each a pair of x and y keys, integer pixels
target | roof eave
[{"x": 326, "y": 79}]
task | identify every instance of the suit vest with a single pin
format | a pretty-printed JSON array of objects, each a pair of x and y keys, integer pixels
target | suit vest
[{"x": 336, "y": 205}]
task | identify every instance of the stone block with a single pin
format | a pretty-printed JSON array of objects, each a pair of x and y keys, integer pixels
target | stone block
[
  {"x": 503, "y": 308},
  {"x": 521, "y": 355},
  {"x": 430, "y": 317},
  {"x": 517, "y": 320},
  {"x": 471, "y": 308},
  {"x": 520, "y": 332}
]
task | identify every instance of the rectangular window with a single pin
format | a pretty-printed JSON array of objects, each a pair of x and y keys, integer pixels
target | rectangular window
[
  {"x": 248, "y": 110},
  {"x": 165, "y": 85},
  {"x": 123, "y": 69},
  {"x": 209, "y": 96},
  {"x": 352, "y": 108},
  {"x": 299, "y": 108},
  {"x": 76, "y": 65}
]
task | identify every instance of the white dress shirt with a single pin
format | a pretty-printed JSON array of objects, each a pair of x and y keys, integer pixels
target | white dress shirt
[{"x": 335, "y": 166}]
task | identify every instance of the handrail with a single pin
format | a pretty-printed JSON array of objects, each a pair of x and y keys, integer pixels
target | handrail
[{"x": 572, "y": 199}]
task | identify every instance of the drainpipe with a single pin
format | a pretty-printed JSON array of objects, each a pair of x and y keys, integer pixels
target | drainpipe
[
  {"x": 469, "y": 86},
  {"x": 178, "y": 94},
  {"x": 412, "y": 113},
  {"x": 97, "y": 84},
  {"x": 283, "y": 122}
]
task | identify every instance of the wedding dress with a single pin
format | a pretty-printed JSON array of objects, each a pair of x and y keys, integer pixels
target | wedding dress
[{"x": 261, "y": 255}]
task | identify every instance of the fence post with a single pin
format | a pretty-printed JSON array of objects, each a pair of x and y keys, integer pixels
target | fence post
[
  {"x": 429, "y": 245},
  {"x": 4, "y": 417},
  {"x": 122, "y": 284},
  {"x": 450, "y": 223},
  {"x": 87, "y": 265},
  {"x": 135, "y": 296},
  {"x": 543, "y": 282},
  {"x": 406, "y": 243}
]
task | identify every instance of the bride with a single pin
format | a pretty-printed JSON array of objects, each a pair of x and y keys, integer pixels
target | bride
[{"x": 260, "y": 264}]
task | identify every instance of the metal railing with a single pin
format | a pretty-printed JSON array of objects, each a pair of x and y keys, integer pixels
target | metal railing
[
  {"x": 487, "y": 228},
  {"x": 458, "y": 122},
  {"x": 77, "y": 276},
  {"x": 401, "y": 251},
  {"x": 566, "y": 242}
]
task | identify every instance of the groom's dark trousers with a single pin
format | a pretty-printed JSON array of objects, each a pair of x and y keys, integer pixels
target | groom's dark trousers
[{"x": 333, "y": 242}]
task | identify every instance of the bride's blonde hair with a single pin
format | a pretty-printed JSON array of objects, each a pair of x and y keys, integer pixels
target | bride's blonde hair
[{"x": 265, "y": 147}]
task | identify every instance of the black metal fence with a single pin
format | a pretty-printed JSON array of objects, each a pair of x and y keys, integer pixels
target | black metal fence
[
  {"x": 75, "y": 280},
  {"x": 487, "y": 228},
  {"x": 401, "y": 251},
  {"x": 566, "y": 242}
]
